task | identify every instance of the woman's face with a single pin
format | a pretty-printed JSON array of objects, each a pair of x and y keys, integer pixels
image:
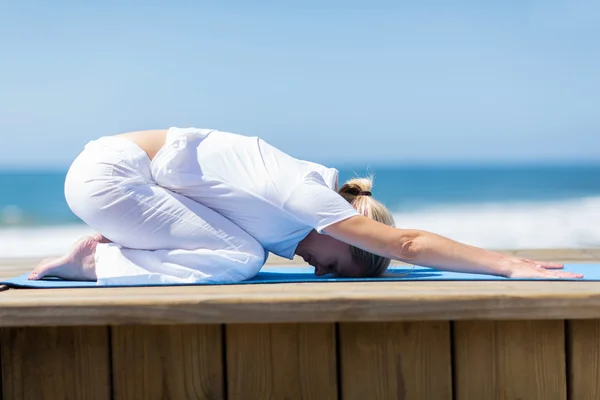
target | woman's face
[{"x": 330, "y": 256}]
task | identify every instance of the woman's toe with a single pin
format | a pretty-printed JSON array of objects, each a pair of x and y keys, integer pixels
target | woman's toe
[{"x": 45, "y": 268}]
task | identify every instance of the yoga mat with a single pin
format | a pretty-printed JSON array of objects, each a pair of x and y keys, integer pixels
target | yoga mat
[{"x": 280, "y": 274}]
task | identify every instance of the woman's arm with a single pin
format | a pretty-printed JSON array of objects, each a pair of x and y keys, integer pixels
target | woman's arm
[{"x": 435, "y": 251}]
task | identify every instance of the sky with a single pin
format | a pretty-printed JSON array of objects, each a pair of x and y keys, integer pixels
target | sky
[{"x": 336, "y": 82}]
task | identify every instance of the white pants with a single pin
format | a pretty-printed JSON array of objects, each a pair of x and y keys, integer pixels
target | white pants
[{"x": 159, "y": 236}]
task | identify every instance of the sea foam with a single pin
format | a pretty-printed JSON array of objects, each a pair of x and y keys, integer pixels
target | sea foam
[
  {"x": 34, "y": 242},
  {"x": 514, "y": 225}
]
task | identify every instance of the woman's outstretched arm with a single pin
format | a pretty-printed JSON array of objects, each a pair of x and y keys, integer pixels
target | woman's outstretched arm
[{"x": 430, "y": 250}]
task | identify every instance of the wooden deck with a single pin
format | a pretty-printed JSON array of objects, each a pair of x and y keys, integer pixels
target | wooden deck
[{"x": 396, "y": 340}]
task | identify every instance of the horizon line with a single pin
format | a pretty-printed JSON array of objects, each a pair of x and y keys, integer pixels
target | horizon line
[{"x": 378, "y": 164}]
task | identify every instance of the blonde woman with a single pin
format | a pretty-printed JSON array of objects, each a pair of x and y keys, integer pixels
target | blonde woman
[{"x": 198, "y": 205}]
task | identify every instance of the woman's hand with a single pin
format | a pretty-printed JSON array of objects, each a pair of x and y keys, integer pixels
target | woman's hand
[{"x": 524, "y": 268}]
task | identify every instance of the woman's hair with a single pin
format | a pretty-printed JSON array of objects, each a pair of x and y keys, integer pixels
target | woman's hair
[{"x": 358, "y": 193}]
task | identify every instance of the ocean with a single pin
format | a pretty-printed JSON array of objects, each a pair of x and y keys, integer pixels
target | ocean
[{"x": 496, "y": 207}]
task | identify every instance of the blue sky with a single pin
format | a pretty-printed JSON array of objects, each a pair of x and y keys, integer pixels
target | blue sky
[{"x": 331, "y": 81}]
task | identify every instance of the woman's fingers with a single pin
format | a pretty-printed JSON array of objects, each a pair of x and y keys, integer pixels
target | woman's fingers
[
  {"x": 549, "y": 265},
  {"x": 562, "y": 274},
  {"x": 543, "y": 264},
  {"x": 569, "y": 275},
  {"x": 530, "y": 271}
]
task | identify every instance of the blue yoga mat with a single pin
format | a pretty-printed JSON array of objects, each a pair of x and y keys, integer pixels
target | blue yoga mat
[{"x": 279, "y": 274}]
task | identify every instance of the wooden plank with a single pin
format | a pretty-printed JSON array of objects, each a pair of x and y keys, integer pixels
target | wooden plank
[
  {"x": 320, "y": 302},
  {"x": 410, "y": 360},
  {"x": 55, "y": 363},
  {"x": 167, "y": 362},
  {"x": 281, "y": 361},
  {"x": 509, "y": 360},
  {"x": 583, "y": 344},
  {"x": 11, "y": 268}
]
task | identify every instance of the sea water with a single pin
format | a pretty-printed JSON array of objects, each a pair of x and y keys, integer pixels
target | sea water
[{"x": 496, "y": 207}]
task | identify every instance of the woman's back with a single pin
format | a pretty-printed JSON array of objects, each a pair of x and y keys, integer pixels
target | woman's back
[
  {"x": 264, "y": 191},
  {"x": 149, "y": 141}
]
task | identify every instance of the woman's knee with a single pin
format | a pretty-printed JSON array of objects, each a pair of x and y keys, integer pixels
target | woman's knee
[
  {"x": 247, "y": 244},
  {"x": 249, "y": 271},
  {"x": 253, "y": 254}
]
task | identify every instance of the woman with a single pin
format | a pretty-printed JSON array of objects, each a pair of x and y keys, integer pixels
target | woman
[{"x": 198, "y": 205}]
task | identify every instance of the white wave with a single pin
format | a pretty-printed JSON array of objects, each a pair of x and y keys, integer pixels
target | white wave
[
  {"x": 542, "y": 225},
  {"x": 516, "y": 225},
  {"x": 37, "y": 242}
]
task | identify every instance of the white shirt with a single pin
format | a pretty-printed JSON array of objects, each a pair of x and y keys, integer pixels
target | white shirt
[{"x": 274, "y": 197}]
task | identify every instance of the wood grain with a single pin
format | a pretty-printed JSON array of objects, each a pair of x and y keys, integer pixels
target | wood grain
[
  {"x": 281, "y": 361},
  {"x": 395, "y": 360},
  {"x": 315, "y": 302},
  {"x": 583, "y": 343},
  {"x": 509, "y": 360},
  {"x": 55, "y": 363},
  {"x": 167, "y": 362},
  {"x": 18, "y": 268}
]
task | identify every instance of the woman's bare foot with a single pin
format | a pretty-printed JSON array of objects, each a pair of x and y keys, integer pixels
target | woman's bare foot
[{"x": 77, "y": 265}]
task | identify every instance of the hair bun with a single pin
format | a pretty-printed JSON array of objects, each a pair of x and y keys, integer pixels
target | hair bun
[{"x": 356, "y": 187}]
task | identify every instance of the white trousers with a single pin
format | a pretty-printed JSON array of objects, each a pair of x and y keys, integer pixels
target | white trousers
[{"x": 159, "y": 236}]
